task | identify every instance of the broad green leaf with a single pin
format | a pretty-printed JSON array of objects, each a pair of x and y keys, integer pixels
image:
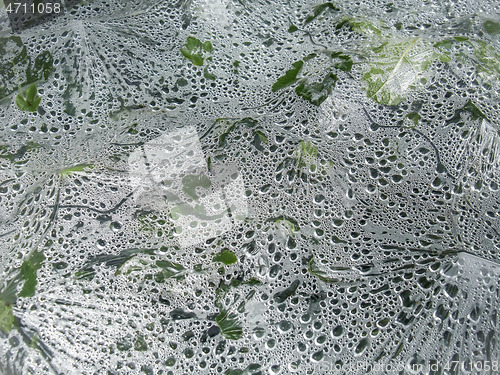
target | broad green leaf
[
  {"x": 229, "y": 326},
  {"x": 292, "y": 28},
  {"x": 22, "y": 104},
  {"x": 227, "y": 257},
  {"x": 193, "y": 57},
  {"x": 28, "y": 273},
  {"x": 207, "y": 46},
  {"x": 317, "y": 92},
  {"x": 318, "y": 10},
  {"x": 289, "y": 78},
  {"x": 191, "y": 181},
  {"x": 192, "y": 44},
  {"x": 76, "y": 168},
  {"x": 474, "y": 111},
  {"x": 31, "y": 94},
  {"x": 397, "y": 68},
  {"x": 7, "y": 318},
  {"x": 31, "y": 102}
]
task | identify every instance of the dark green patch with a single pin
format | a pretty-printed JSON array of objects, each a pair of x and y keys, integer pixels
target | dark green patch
[
  {"x": 281, "y": 296},
  {"x": 227, "y": 257},
  {"x": 474, "y": 111},
  {"x": 7, "y": 318},
  {"x": 169, "y": 270},
  {"x": 317, "y": 92},
  {"x": 208, "y": 75},
  {"x": 413, "y": 117},
  {"x": 289, "y": 78},
  {"x": 230, "y": 328},
  {"x": 28, "y": 273},
  {"x": 258, "y": 139},
  {"x": 320, "y": 9},
  {"x": 207, "y": 46},
  {"x": 491, "y": 27}
]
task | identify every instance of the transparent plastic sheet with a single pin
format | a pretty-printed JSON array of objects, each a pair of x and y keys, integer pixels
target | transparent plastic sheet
[{"x": 244, "y": 187}]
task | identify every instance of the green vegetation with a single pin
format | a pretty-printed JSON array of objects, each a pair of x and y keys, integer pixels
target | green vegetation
[
  {"x": 31, "y": 102},
  {"x": 28, "y": 273},
  {"x": 196, "y": 52},
  {"x": 17, "y": 71},
  {"x": 227, "y": 257},
  {"x": 229, "y": 325},
  {"x": 77, "y": 168}
]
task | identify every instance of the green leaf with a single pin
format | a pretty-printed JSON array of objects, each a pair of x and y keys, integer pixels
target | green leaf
[
  {"x": 363, "y": 26},
  {"x": 305, "y": 154},
  {"x": 42, "y": 68},
  {"x": 289, "y": 78},
  {"x": 414, "y": 117},
  {"x": 317, "y": 92},
  {"x": 292, "y": 28},
  {"x": 488, "y": 65},
  {"x": 345, "y": 65},
  {"x": 192, "y": 44},
  {"x": 169, "y": 270},
  {"x": 13, "y": 61},
  {"x": 248, "y": 121},
  {"x": 140, "y": 344},
  {"x": 474, "y": 111},
  {"x": 191, "y": 181},
  {"x": 282, "y": 295},
  {"x": 491, "y": 27},
  {"x": 31, "y": 102},
  {"x": 446, "y": 44},
  {"x": 193, "y": 57},
  {"x": 258, "y": 139},
  {"x": 31, "y": 94},
  {"x": 28, "y": 273},
  {"x": 318, "y": 10},
  {"x": 227, "y": 257},
  {"x": 398, "y": 67},
  {"x": 207, "y": 46},
  {"x": 21, "y": 103},
  {"x": 7, "y": 318},
  {"x": 230, "y": 328},
  {"x": 207, "y": 74},
  {"x": 76, "y": 168}
]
